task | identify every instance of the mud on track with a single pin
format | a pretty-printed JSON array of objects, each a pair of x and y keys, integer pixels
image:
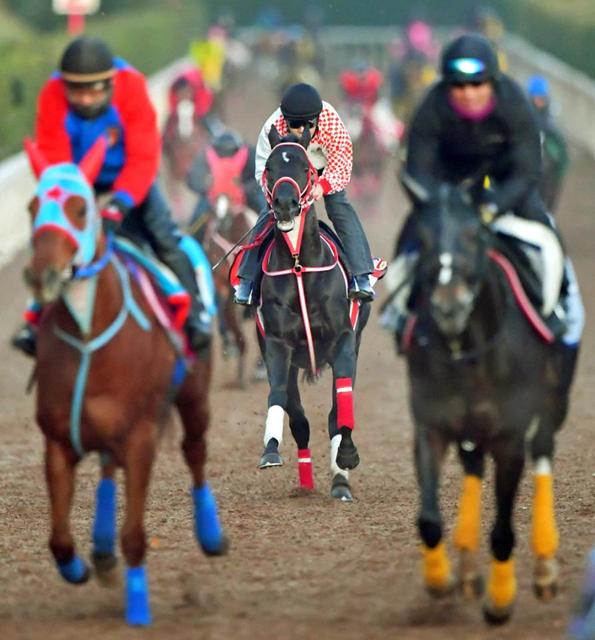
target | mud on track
[{"x": 300, "y": 567}]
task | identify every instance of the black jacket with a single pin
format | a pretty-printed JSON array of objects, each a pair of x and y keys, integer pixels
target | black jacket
[{"x": 444, "y": 146}]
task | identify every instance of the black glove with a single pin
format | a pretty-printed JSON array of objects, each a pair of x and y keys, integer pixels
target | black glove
[{"x": 113, "y": 215}]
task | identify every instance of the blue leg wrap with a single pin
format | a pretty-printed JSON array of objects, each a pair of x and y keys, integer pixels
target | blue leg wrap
[
  {"x": 208, "y": 529},
  {"x": 75, "y": 571},
  {"x": 138, "y": 611},
  {"x": 104, "y": 527}
]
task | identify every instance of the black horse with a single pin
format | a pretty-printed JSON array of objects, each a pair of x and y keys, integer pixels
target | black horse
[
  {"x": 305, "y": 318},
  {"x": 483, "y": 378}
]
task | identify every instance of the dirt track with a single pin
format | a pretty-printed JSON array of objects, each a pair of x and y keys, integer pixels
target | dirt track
[{"x": 300, "y": 567}]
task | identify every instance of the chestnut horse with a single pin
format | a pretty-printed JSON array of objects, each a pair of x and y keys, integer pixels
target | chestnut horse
[{"x": 106, "y": 372}]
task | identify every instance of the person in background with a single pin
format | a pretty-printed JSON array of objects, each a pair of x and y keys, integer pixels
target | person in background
[
  {"x": 226, "y": 167},
  {"x": 95, "y": 94},
  {"x": 554, "y": 151}
]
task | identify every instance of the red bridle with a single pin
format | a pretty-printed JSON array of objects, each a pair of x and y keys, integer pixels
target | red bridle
[{"x": 305, "y": 194}]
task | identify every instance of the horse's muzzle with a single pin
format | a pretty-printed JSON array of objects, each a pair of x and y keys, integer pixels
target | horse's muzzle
[{"x": 48, "y": 286}]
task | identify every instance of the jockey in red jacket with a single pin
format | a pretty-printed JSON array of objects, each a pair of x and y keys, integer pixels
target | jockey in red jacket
[
  {"x": 362, "y": 84},
  {"x": 92, "y": 95}
]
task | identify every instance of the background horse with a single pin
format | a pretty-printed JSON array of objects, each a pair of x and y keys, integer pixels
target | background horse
[
  {"x": 483, "y": 378},
  {"x": 305, "y": 318},
  {"x": 224, "y": 225},
  {"x": 105, "y": 371}
]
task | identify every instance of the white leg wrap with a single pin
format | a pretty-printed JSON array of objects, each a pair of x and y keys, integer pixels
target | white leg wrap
[
  {"x": 274, "y": 424},
  {"x": 552, "y": 257},
  {"x": 335, "y": 469}
]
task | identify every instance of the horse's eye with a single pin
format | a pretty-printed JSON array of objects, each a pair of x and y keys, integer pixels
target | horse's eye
[{"x": 75, "y": 208}]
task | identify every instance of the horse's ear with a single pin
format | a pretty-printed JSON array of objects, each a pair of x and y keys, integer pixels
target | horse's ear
[
  {"x": 92, "y": 161},
  {"x": 37, "y": 160},
  {"x": 274, "y": 137},
  {"x": 305, "y": 138}
]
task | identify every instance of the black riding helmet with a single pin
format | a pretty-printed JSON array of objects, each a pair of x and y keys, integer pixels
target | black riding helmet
[
  {"x": 469, "y": 58},
  {"x": 301, "y": 102},
  {"x": 88, "y": 63},
  {"x": 227, "y": 144}
]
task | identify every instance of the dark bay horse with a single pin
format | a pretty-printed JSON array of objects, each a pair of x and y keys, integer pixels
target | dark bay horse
[
  {"x": 105, "y": 373},
  {"x": 222, "y": 227},
  {"x": 305, "y": 318},
  {"x": 483, "y": 378}
]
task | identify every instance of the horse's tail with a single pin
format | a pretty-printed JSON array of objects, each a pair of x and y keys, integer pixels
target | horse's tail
[{"x": 312, "y": 377}]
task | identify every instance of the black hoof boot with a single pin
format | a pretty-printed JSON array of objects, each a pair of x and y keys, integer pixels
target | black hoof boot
[
  {"x": 340, "y": 489},
  {"x": 271, "y": 456},
  {"x": 347, "y": 455}
]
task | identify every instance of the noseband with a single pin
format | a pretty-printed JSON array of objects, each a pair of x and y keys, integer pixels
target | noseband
[{"x": 305, "y": 194}]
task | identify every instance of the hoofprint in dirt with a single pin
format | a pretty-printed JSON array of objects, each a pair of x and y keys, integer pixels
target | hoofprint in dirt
[{"x": 299, "y": 566}]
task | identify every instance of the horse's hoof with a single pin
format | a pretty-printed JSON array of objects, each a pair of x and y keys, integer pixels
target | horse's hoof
[
  {"x": 471, "y": 587},
  {"x": 496, "y": 616},
  {"x": 340, "y": 489},
  {"x": 270, "y": 460},
  {"x": 76, "y": 571},
  {"x": 105, "y": 565},
  {"x": 347, "y": 455},
  {"x": 221, "y": 551},
  {"x": 545, "y": 579}
]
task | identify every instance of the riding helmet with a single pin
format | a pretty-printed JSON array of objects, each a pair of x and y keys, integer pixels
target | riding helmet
[
  {"x": 301, "y": 102},
  {"x": 227, "y": 144},
  {"x": 469, "y": 58},
  {"x": 87, "y": 60}
]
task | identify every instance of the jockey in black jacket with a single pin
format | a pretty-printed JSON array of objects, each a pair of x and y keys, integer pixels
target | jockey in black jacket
[{"x": 476, "y": 122}]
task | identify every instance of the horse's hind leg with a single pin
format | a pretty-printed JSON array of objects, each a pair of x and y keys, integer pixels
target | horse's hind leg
[
  {"x": 544, "y": 537},
  {"x": 501, "y": 590},
  {"x": 59, "y": 470},
  {"x": 104, "y": 524},
  {"x": 340, "y": 488},
  {"x": 139, "y": 455},
  {"x": 468, "y": 529},
  {"x": 344, "y": 367},
  {"x": 192, "y": 404},
  {"x": 300, "y": 429},
  {"x": 429, "y": 452}
]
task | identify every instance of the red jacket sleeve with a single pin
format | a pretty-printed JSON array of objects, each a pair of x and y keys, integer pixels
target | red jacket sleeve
[
  {"x": 50, "y": 126},
  {"x": 141, "y": 136}
]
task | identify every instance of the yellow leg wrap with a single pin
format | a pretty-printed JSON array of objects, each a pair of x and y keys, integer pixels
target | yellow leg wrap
[
  {"x": 436, "y": 566},
  {"x": 502, "y": 584},
  {"x": 469, "y": 520},
  {"x": 545, "y": 533}
]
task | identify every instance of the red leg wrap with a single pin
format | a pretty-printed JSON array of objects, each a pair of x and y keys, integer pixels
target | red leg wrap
[
  {"x": 305, "y": 469},
  {"x": 345, "y": 403}
]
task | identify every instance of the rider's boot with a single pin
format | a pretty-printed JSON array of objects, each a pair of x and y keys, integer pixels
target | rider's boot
[
  {"x": 25, "y": 340},
  {"x": 361, "y": 289},
  {"x": 243, "y": 293}
]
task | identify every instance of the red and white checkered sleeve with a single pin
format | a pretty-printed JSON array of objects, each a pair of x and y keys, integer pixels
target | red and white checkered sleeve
[{"x": 336, "y": 141}]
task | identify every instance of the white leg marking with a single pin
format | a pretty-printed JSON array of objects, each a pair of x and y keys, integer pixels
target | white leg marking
[
  {"x": 543, "y": 467},
  {"x": 335, "y": 469},
  {"x": 274, "y": 424}
]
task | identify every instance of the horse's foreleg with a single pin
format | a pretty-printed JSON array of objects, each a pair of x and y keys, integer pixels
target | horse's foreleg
[
  {"x": 104, "y": 524},
  {"x": 344, "y": 368},
  {"x": 468, "y": 529},
  {"x": 429, "y": 452},
  {"x": 234, "y": 325},
  {"x": 194, "y": 412},
  {"x": 140, "y": 452},
  {"x": 278, "y": 360},
  {"x": 300, "y": 430},
  {"x": 544, "y": 537},
  {"x": 501, "y": 591},
  {"x": 59, "y": 470}
]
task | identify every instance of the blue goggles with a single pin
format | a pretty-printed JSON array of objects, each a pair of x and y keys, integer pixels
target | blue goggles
[{"x": 466, "y": 66}]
